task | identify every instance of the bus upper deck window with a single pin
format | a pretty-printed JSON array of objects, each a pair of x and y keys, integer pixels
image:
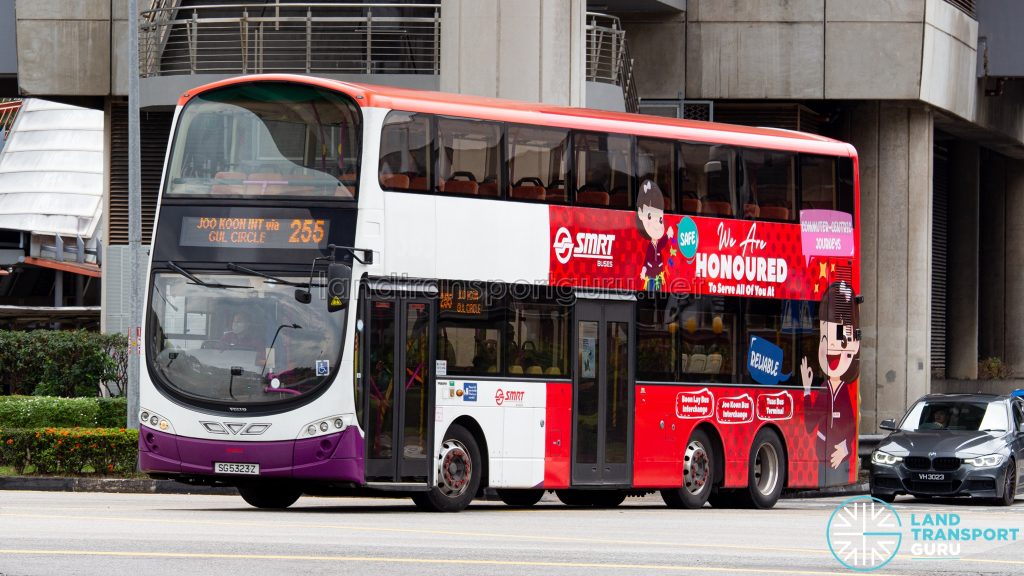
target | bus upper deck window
[{"x": 266, "y": 139}]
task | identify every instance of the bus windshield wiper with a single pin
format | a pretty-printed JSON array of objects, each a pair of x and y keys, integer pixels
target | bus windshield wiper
[
  {"x": 250, "y": 271},
  {"x": 195, "y": 280}
]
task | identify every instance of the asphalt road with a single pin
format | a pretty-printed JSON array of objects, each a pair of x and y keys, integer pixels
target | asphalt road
[{"x": 47, "y": 533}]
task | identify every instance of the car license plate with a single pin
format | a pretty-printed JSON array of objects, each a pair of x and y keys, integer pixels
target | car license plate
[
  {"x": 931, "y": 476},
  {"x": 233, "y": 468}
]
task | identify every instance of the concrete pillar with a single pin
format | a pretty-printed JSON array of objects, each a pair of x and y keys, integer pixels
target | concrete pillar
[
  {"x": 894, "y": 142},
  {"x": 992, "y": 257},
  {"x": 962, "y": 263},
  {"x": 1014, "y": 307},
  {"x": 522, "y": 49}
]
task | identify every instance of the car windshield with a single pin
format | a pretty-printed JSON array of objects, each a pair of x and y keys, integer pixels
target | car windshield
[
  {"x": 957, "y": 415},
  {"x": 241, "y": 339}
]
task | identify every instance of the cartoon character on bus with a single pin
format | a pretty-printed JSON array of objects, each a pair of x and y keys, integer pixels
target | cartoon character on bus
[
  {"x": 650, "y": 215},
  {"x": 839, "y": 360}
]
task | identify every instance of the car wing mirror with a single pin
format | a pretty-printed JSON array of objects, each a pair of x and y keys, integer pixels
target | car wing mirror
[{"x": 888, "y": 424}]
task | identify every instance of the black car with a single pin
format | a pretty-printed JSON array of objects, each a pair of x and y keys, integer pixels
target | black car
[{"x": 953, "y": 445}]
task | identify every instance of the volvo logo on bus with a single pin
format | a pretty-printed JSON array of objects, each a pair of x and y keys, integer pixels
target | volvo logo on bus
[{"x": 587, "y": 245}]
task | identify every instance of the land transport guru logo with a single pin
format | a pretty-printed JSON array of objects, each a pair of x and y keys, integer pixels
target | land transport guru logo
[{"x": 865, "y": 534}]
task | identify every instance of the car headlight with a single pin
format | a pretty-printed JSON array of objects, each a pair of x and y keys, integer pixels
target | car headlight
[
  {"x": 879, "y": 457},
  {"x": 985, "y": 461}
]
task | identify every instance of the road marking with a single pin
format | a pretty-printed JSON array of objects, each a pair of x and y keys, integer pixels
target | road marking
[
  {"x": 431, "y": 532},
  {"x": 435, "y": 561}
]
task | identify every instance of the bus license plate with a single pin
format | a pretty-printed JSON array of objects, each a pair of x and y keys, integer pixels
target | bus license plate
[{"x": 232, "y": 468}]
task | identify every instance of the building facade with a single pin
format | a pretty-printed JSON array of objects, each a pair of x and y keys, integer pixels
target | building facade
[{"x": 931, "y": 92}]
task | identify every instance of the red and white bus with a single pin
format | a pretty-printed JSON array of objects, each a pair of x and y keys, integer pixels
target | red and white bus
[{"x": 363, "y": 290}]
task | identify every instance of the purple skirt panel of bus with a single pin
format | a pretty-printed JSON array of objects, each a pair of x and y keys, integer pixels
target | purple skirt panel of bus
[{"x": 337, "y": 457}]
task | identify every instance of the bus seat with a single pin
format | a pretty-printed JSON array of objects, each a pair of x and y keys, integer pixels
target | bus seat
[
  {"x": 691, "y": 205},
  {"x": 555, "y": 196},
  {"x": 460, "y": 187},
  {"x": 553, "y": 371},
  {"x": 684, "y": 361},
  {"x": 698, "y": 362},
  {"x": 714, "y": 365},
  {"x": 716, "y": 208},
  {"x": 515, "y": 369},
  {"x": 528, "y": 193},
  {"x": 535, "y": 370},
  {"x": 775, "y": 212},
  {"x": 488, "y": 189},
  {"x": 394, "y": 181},
  {"x": 419, "y": 183},
  {"x": 265, "y": 183},
  {"x": 235, "y": 188},
  {"x": 751, "y": 211},
  {"x": 593, "y": 197}
]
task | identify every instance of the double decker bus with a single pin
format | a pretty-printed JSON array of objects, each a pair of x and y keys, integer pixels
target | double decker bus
[{"x": 358, "y": 289}]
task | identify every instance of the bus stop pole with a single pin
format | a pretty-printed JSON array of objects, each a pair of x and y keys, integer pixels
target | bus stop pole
[{"x": 134, "y": 218}]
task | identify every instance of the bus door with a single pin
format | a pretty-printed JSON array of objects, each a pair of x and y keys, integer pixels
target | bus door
[
  {"x": 396, "y": 381},
  {"x": 603, "y": 393}
]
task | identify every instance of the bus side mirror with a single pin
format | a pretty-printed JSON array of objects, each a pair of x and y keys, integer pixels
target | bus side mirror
[
  {"x": 339, "y": 275},
  {"x": 889, "y": 424}
]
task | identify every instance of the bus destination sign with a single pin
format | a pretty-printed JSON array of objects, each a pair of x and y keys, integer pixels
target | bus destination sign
[
  {"x": 237, "y": 232},
  {"x": 458, "y": 300}
]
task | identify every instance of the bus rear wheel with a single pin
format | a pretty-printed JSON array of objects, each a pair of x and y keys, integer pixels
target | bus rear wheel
[
  {"x": 457, "y": 477},
  {"x": 520, "y": 498},
  {"x": 698, "y": 474},
  {"x": 766, "y": 471},
  {"x": 270, "y": 497}
]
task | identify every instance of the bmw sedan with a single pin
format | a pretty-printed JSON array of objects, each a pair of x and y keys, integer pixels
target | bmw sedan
[{"x": 953, "y": 445}]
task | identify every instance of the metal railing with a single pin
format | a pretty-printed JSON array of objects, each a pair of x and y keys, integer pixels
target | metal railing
[
  {"x": 334, "y": 38},
  {"x": 8, "y": 112},
  {"x": 965, "y": 6},
  {"x": 608, "y": 58}
]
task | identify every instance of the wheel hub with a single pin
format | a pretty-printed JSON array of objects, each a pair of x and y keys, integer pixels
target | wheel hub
[
  {"x": 455, "y": 469},
  {"x": 766, "y": 469},
  {"x": 696, "y": 468}
]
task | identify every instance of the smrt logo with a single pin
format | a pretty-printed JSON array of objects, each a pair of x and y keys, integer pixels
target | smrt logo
[
  {"x": 587, "y": 245},
  {"x": 502, "y": 396}
]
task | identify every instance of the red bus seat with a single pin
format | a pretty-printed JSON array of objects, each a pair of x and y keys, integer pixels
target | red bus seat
[
  {"x": 394, "y": 181},
  {"x": 419, "y": 183},
  {"x": 528, "y": 193},
  {"x": 555, "y": 196},
  {"x": 593, "y": 197},
  {"x": 488, "y": 189},
  {"x": 228, "y": 188},
  {"x": 460, "y": 187},
  {"x": 691, "y": 205},
  {"x": 716, "y": 208},
  {"x": 259, "y": 183},
  {"x": 775, "y": 212}
]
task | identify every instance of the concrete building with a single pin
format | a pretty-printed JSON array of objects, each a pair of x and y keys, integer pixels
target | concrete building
[{"x": 930, "y": 91}]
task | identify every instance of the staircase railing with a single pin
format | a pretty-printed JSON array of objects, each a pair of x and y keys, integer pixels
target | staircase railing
[{"x": 608, "y": 58}]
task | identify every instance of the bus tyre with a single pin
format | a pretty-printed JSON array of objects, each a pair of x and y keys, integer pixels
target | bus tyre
[
  {"x": 520, "y": 498},
  {"x": 458, "y": 473},
  {"x": 766, "y": 471},
  {"x": 269, "y": 497},
  {"x": 573, "y": 497},
  {"x": 887, "y": 498},
  {"x": 698, "y": 474}
]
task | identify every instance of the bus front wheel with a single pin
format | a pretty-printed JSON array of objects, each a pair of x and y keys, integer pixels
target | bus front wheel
[
  {"x": 457, "y": 477},
  {"x": 698, "y": 474},
  {"x": 272, "y": 497}
]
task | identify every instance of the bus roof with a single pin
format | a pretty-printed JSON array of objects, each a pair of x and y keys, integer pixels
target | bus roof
[{"x": 515, "y": 111}]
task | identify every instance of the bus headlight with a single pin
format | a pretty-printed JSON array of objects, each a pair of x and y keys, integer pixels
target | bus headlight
[
  {"x": 327, "y": 425},
  {"x": 154, "y": 420},
  {"x": 884, "y": 458},
  {"x": 985, "y": 461}
]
